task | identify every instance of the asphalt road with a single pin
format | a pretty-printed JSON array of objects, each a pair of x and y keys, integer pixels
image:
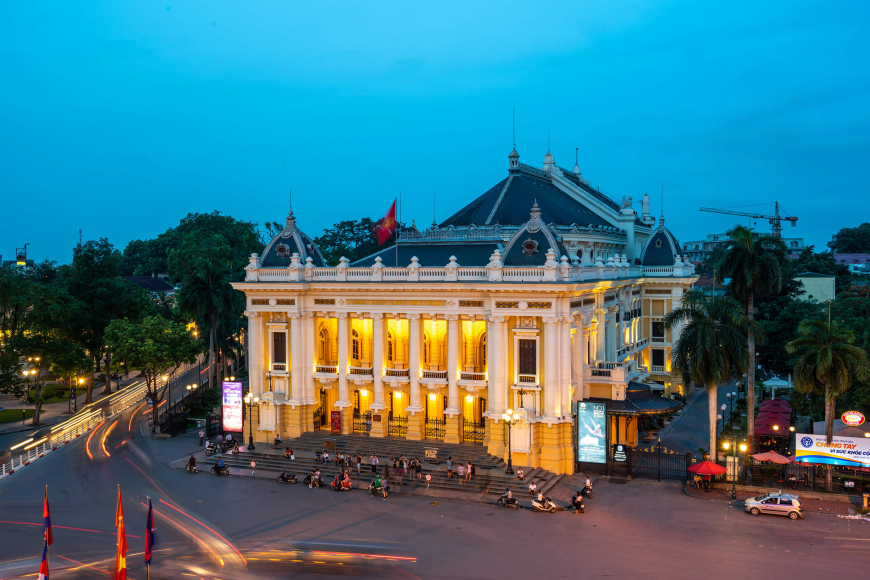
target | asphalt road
[{"x": 237, "y": 527}]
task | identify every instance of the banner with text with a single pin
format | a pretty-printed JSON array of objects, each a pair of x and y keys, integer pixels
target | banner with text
[
  {"x": 591, "y": 432},
  {"x": 850, "y": 451},
  {"x": 232, "y": 406}
]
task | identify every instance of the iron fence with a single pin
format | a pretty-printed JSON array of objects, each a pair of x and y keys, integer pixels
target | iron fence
[
  {"x": 397, "y": 426},
  {"x": 655, "y": 462},
  {"x": 473, "y": 431},
  {"x": 435, "y": 428},
  {"x": 359, "y": 425}
]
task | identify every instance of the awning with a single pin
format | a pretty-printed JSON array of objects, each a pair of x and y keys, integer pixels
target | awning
[{"x": 640, "y": 400}]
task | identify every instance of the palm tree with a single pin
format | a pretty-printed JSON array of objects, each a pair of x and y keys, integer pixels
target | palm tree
[
  {"x": 712, "y": 344},
  {"x": 827, "y": 364},
  {"x": 754, "y": 264}
]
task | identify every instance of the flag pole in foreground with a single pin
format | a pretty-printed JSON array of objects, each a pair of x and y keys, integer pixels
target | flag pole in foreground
[
  {"x": 121, "y": 556},
  {"x": 47, "y": 538},
  {"x": 149, "y": 540}
]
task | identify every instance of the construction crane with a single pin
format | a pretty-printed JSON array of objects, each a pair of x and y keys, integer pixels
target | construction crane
[{"x": 774, "y": 219}]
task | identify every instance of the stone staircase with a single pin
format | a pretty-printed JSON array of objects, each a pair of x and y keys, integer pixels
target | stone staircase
[{"x": 489, "y": 478}]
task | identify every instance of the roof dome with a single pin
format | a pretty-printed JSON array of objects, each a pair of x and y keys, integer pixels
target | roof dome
[
  {"x": 291, "y": 240},
  {"x": 662, "y": 248},
  {"x": 529, "y": 245}
]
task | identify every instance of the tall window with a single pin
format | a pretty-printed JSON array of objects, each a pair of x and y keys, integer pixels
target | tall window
[
  {"x": 528, "y": 359},
  {"x": 481, "y": 352},
  {"x": 355, "y": 345},
  {"x": 279, "y": 347},
  {"x": 658, "y": 329},
  {"x": 391, "y": 346},
  {"x": 658, "y": 357},
  {"x": 427, "y": 348},
  {"x": 323, "y": 347},
  {"x": 356, "y": 402}
]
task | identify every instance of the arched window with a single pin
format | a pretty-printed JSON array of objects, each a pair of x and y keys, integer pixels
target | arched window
[
  {"x": 323, "y": 350},
  {"x": 391, "y": 346},
  {"x": 355, "y": 345},
  {"x": 481, "y": 352},
  {"x": 427, "y": 348}
]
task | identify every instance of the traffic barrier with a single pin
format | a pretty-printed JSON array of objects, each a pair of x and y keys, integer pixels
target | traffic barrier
[{"x": 42, "y": 448}]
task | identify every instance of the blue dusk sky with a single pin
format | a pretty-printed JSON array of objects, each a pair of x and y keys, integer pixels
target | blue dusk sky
[{"x": 119, "y": 118}]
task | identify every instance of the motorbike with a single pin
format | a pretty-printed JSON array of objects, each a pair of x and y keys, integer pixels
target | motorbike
[
  {"x": 285, "y": 478},
  {"x": 586, "y": 492},
  {"x": 377, "y": 490},
  {"x": 546, "y": 506},
  {"x": 508, "y": 502},
  {"x": 312, "y": 482},
  {"x": 579, "y": 508},
  {"x": 220, "y": 471},
  {"x": 192, "y": 468},
  {"x": 210, "y": 449},
  {"x": 340, "y": 486}
]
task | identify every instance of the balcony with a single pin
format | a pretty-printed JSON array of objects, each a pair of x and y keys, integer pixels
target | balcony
[
  {"x": 658, "y": 340},
  {"x": 658, "y": 369},
  {"x": 527, "y": 380},
  {"x": 399, "y": 373},
  {"x": 279, "y": 367},
  {"x": 471, "y": 376},
  {"x": 435, "y": 375},
  {"x": 326, "y": 369},
  {"x": 361, "y": 372}
]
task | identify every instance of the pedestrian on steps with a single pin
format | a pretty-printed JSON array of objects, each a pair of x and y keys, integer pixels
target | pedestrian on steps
[
  {"x": 468, "y": 469},
  {"x": 449, "y": 467},
  {"x": 358, "y": 463},
  {"x": 419, "y": 468},
  {"x": 374, "y": 463},
  {"x": 460, "y": 471}
]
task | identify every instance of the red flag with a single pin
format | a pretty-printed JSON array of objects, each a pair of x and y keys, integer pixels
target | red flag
[
  {"x": 46, "y": 521},
  {"x": 43, "y": 566},
  {"x": 149, "y": 534},
  {"x": 384, "y": 227},
  {"x": 121, "y": 557}
]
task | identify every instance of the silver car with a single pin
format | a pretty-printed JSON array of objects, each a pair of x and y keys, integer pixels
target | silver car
[{"x": 778, "y": 504}]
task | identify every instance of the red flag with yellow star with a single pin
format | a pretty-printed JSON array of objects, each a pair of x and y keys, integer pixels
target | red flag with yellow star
[
  {"x": 121, "y": 557},
  {"x": 384, "y": 227}
]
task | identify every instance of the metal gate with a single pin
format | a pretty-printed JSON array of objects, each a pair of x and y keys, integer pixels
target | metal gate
[
  {"x": 213, "y": 425},
  {"x": 472, "y": 431},
  {"x": 318, "y": 418},
  {"x": 655, "y": 462},
  {"x": 397, "y": 426},
  {"x": 359, "y": 424},
  {"x": 435, "y": 428}
]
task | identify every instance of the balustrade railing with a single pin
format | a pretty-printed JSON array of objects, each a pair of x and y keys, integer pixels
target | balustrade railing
[
  {"x": 51, "y": 443},
  {"x": 527, "y": 380},
  {"x": 658, "y": 339},
  {"x": 471, "y": 376},
  {"x": 403, "y": 373},
  {"x": 365, "y": 371},
  {"x": 658, "y": 369},
  {"x": 326, "y": 369},
  {"x": 435, "y": 374}
]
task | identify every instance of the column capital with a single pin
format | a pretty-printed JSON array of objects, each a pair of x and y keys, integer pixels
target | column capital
[
  {"x": 497, "y": 319},
  {"x": 341, "y": 315},
  {"x": 551, "y": 319},
  {"x": 252, "y": 314},
  {"x": 307, "y": 314},
  {"x": 413, "y": 317},
  {"x": 376, "y": 315},
  {"x": 294, "y": 315},
  {"x": 451, "y": 317}
]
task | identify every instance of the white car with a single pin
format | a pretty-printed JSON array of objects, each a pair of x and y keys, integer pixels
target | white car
[{"x": 778, "y": 504}]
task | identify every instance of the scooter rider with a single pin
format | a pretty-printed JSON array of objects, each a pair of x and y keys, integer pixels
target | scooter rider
[
  {"x": 191, "y": 463},
  {"x": 577, "y": 501}
]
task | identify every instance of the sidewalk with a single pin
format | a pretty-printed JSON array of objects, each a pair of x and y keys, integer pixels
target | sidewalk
[{"x": 810, "y": 505}]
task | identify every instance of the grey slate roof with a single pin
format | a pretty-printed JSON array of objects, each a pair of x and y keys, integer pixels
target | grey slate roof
[
  {"x": 291, "y": 240},
  {"x": 640, "y": 400},
  {"x": 431, "y": 254},
  {"x": 661, "y": 248}
]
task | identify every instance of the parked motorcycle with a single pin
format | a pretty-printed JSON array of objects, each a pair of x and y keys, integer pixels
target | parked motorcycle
[
  {"x": 286, "y": 478},
  {"x": 220, "y": 470},
  {"x": 337, "y": 485},
  {"x": 507, "y": 502},
  {"x": 377, "y": 490},
  {"x": 544, "y": 506}
]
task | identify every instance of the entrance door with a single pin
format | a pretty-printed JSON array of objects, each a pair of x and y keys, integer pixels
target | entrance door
[{"x": 323, "y": 412}]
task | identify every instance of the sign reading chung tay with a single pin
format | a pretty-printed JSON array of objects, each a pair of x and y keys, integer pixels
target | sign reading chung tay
[
  {"x": 851, "y": 451},
  {"x": 591, "y": 432},
  {"x": 232, "y": 406}
]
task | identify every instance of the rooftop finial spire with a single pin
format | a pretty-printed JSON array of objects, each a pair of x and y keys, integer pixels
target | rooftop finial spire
[
  {"x": 548, "y": 139},
  {"x": 514, "y": 128}
]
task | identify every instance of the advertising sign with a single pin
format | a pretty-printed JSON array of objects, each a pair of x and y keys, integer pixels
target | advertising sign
[
  {"x": 591, "y": 432},
  {"x": 335, "y": 424},
  {"x": 851, "y": 451},
  {"x": 232, "y": 406},
  {"x": 853, "y": 418}
]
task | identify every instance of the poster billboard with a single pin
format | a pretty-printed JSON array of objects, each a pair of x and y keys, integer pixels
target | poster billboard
[
  {"x": 591, "y": 432},
  {"x": 850, "y": 451},
  {"x": 232, "y": 406}
]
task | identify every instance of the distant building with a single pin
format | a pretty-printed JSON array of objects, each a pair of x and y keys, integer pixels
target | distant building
[
  {"x": 20, "y": 261},
  {"x": 855, "y": 262},
  {"x": 152, "y": 284},
  {"x": 706, "y": 283},
  {"x": 698, "y": 251},
  {"x": 818, "y": 287}
]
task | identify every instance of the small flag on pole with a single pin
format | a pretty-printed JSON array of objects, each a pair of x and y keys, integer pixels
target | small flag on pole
[
  {"x": 46, "y": 520},
  {"x": 121, "y": 556},
  {"x": 43, "y": 566},
  {"x": 149, "y": 534},
  {"x": 384, "y": 227}
]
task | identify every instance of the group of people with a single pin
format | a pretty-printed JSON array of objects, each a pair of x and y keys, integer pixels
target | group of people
[{"x": 464, "y": 470}]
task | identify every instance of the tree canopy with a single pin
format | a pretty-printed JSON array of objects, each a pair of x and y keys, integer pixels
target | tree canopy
[
  {"x": 352, "y": 239},
  {"x": 851, "y": 240}
]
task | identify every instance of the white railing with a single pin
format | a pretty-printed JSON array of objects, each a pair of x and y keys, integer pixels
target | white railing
[
  {"x": 658, "y": 369},
  {"x": 658, "y": 339},
  {"x": 641, "y": 343},
  {"x": 77, "y": 427},
  {"x": 366, "y": 371},
  {"x": 434, "y": 374},
  {"x": 326, "y": 369}
]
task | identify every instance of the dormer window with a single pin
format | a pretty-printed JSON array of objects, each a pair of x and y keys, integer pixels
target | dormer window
[
  {"x": 530, "y": 247},
  {"x": 658, "y": 244},
  {"x": 283, "y": 250}
]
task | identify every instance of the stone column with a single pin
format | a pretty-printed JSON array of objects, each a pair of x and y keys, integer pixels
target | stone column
[
  {"x": 468, "y": 340},
  {"x": 611, "y": 334},
  {"x": 297, "y": 394},
  {"x": 600, "y": 343},
  {"x": 453, "y": 415},
  {"x": 494, "y": 437},
  {"x": 255, "y": 352},
  {"x": 343, "y": 402},
  {"x": 366, "y": 343},
  {"x": 400, "y": 355},
  {"x": 379, "y": 428},
  {"x": 309, "y": 347},
  {"x": 579, "y": 356},
  {"x": 565, "y": 364},
  {"x": 551, "y": 368},
  {"x": 416, "y": 416}
]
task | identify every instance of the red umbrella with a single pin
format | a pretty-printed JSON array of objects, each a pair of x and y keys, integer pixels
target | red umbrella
[
  {"x": 768, "y": 430},
  {"x": 774, "y": 404},
  {"x": 770, "y": 422},
  {"x": 773, "y": 414},
  {"x": 707, "y": 468},
  {"x": 771, "y": 456}
]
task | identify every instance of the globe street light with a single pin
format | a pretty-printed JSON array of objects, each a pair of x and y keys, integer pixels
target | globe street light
[
  {"x": 510, "y": 420},
  {"x": 731, "y": 443},
  {"x": 250, "y": 401}
]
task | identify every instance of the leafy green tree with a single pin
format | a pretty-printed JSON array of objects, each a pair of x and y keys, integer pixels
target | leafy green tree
[
  {"x": 352, "y": 239},
  {"x": 203, "y": 266},
  {"x": 15, "y": 300},
  {"x": 821, "y": 263},
  {"x": 711, "y": 348},
  {"x": 154, "y": 346},
  {"x": 754, "y": 264},
  {"x": 851, "y": 240},
  {"x": 269, "y": 231},
  {"x": 93, "y": 279},
  {"x": 828, "y": 363}
]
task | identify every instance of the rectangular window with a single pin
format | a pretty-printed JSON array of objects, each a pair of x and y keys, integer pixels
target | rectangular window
[
  {"x": 279, "y": 347},
  {"x": 658, "y": 329},
  {"x": 658, "y": 357},
  {"x": 528, "y": 358}
]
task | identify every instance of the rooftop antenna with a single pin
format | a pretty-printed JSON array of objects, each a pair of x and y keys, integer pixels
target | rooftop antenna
[
  {"x": 576, "y": 155},
  {"x": 548, "y": 139},
  {"x": 514, "y": 134},
  {"x": 80, "y": 237},
  {"x": 662, "y": 201}
]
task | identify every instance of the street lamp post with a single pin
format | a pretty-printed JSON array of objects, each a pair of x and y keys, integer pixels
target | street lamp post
[
  {"x": 250, "y": 401},
  {"x": 730, "y": 410},
  {"x": 731, "y": 444},
  {"x": 510, "y": 420}
]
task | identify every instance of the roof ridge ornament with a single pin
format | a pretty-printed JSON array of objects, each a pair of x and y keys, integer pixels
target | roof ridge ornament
[{"x": 535, "y": 221}]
